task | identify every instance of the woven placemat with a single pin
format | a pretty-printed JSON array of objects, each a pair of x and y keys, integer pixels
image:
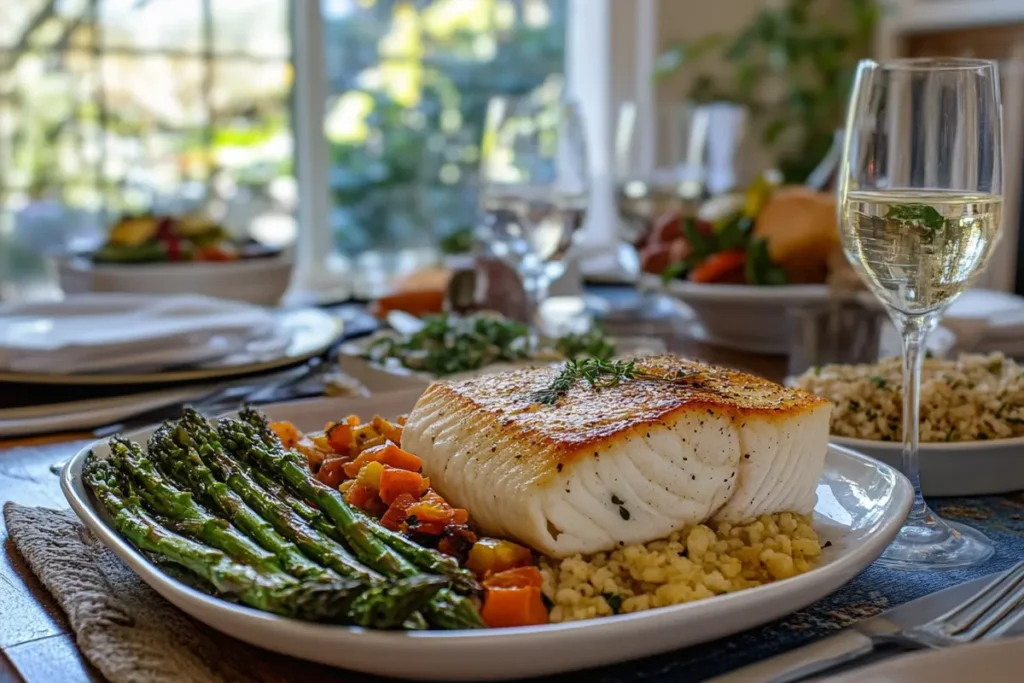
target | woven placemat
[{"x": 123, "y": 627}]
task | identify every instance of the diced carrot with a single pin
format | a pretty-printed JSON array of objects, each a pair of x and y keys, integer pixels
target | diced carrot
[
  {"x": 394, "y": 482},
  {"x": 360, "y": 496},
  {"x": 387, "y": 454},
  {"x": 353, "y": 421},
  {"x": 369, "y": 455},
  {"x": 287, "y": 432},
  {"x": 515, "y": 578},
  {"x": 387, "y": 429},
  {"x": 395, "y": 515},
  {"x": 510, "y": 607},
  {"x": 392, "y": 455},
  {"x": 332, "y": 472},
  {"x": 460, "y": 516},
  {"x": 492, "y": 556},
  {"x": 339, "y": 437}
]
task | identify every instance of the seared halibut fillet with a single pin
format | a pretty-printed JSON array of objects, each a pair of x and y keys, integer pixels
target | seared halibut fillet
[{"x": 629, "y": 463}]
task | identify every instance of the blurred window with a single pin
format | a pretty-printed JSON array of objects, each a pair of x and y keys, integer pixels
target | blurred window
[{"x": 116, "y": 106}]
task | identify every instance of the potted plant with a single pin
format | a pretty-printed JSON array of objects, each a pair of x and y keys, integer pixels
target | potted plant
[{"x": 791, "y": 67}]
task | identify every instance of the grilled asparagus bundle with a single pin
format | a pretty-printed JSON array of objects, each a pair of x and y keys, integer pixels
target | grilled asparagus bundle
[{"x": 229, "y": 505}]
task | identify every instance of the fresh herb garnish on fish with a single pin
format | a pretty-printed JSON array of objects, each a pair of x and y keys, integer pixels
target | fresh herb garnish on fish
[{"x": 599, "y": 373}]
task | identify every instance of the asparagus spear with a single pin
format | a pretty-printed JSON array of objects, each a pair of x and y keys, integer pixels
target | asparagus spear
[
  {"x": 196, "y": 433},
  {"x": 182, "y": 513},
  {"x": 427, "y": 559},
  {"x": 254, "y": 440},
  {"x": 243, "y": 441},
  {"x": 278, "y": 593},
  {"x": 189, "y": 470},
  {"x": 392, "y": 603}
]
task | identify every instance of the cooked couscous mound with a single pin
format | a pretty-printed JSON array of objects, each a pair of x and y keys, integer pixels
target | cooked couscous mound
[
  {"x": 972, "y": 398},
  {"x": 695, "y": 563}
]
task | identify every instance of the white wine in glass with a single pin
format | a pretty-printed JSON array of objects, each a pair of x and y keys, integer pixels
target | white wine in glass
[{"x": 920, "y": 200}]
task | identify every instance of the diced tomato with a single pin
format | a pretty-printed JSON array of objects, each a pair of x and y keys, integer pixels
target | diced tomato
[
  {"x": 360, "y": 496},
  {"x": 514, "y": 578},
  {"x": 395, "y": 516},
  {"x": 460, "y": 516},
  {"x": 394, "y": 482},
  {"x": 509, "y": 607},
  {"x": 332, "y": 472},
  {"x": 287, "y": 432},
  {"x": 456, "y": 541},
  {"x": 717, "y": 266},
  {"x": 339, "y": 437},
  {"x": 428, "y": 510}
]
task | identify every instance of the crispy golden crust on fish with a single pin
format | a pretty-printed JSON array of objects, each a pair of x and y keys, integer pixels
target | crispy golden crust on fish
[{"x": 586, "y": 418}]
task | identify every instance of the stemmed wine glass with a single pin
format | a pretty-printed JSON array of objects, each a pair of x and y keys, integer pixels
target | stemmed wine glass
[
  {"x": 535, "y": 186},
  {"x": 920, "y": 198}
]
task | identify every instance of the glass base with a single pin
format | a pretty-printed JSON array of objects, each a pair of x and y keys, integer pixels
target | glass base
[{"x": 932, "y": 544}]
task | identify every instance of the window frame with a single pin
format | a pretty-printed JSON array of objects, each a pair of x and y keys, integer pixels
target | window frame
[{"x": 600, "y": 80}]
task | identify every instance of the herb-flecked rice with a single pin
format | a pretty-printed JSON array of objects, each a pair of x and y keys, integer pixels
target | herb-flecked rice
[{"x": 972, "y": 398}]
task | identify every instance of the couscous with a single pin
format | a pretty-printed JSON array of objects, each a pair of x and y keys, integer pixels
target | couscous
[
  {"x": 971, "y": 398},
  {"x": 698, "y": 562}
]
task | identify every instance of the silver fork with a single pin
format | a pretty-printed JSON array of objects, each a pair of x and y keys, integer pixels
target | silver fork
[{"x": 989, "y": 613}]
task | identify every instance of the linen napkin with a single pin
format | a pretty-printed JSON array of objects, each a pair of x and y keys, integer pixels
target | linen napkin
[
  {"x": 985, "y": 320},
  {"x": 123, "y": 627},
  {"x": 99, "y": 332}
]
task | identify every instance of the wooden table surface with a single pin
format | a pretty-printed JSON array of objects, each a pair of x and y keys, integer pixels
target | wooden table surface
[{"x": 36, "y": 645}]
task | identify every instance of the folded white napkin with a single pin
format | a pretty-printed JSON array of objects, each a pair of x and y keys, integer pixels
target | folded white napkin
[
  {"x": 101, "y": 332},
  {"x": 985, "y": 320}
]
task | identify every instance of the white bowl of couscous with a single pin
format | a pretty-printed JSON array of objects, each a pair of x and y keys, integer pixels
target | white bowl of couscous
[{"x": 972, "y": 418}]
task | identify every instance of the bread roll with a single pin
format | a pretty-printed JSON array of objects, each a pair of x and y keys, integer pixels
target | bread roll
[{"x": 800, "y": 228}]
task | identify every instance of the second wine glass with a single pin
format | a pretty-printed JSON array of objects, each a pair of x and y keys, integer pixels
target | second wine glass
[{"x": 535, "y": 186}]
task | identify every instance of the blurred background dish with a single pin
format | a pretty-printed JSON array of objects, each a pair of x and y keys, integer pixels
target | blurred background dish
[{"x": 261, "y": 281}]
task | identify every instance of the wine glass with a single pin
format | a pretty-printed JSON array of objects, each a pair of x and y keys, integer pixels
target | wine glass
[
  {"x": 660, "y": 173},
  {"x": 535, "y": 186},
  {"x": 920, "y": 198}
]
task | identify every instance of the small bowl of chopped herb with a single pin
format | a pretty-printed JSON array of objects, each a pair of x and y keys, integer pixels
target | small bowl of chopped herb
[{"x": 453, "y": 347}]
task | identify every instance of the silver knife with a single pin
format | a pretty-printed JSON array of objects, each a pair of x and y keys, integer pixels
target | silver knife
[{"x": 854, "y": 642}]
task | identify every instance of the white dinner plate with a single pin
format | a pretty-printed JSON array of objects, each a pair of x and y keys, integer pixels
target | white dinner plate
[
  {"x": 861, "y": 505},
  {"x": 378, "y": 378},
  {"x": 965, "y": 468},
  {"x": 62, "y": 417},
  {"x": 742, "y": 317},
  {"x": 312, "y": 332},
  {"x": 999, "y": 661}
]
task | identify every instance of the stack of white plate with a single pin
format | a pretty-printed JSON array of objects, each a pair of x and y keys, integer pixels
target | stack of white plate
[{"x": 130, "y": 340}]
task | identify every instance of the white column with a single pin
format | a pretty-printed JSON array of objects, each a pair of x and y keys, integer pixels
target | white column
[
  {"x": 313, "y": 247},
  {"x": 610, "y": 53}
]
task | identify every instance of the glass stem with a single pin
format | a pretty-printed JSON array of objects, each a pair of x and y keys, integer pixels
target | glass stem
[
  {"x": 536, "y": 287},
  {"x": 914, "y": 332}
]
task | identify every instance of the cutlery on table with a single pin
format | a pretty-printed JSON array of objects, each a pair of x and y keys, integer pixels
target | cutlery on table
[{"x": 981, "y": 614}]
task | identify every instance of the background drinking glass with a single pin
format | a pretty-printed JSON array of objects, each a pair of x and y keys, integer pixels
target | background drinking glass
[
  {"x": 920, "y": 197},
  {"x": 535, "y": 185}
]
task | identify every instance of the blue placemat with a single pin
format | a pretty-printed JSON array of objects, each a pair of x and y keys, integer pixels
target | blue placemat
[{"x": 872, "y": 592}]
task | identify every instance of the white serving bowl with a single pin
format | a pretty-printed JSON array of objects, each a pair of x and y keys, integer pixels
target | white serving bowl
[
  {"x": 743, "y": 317},
  {"x": 261, "y": 281}
]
